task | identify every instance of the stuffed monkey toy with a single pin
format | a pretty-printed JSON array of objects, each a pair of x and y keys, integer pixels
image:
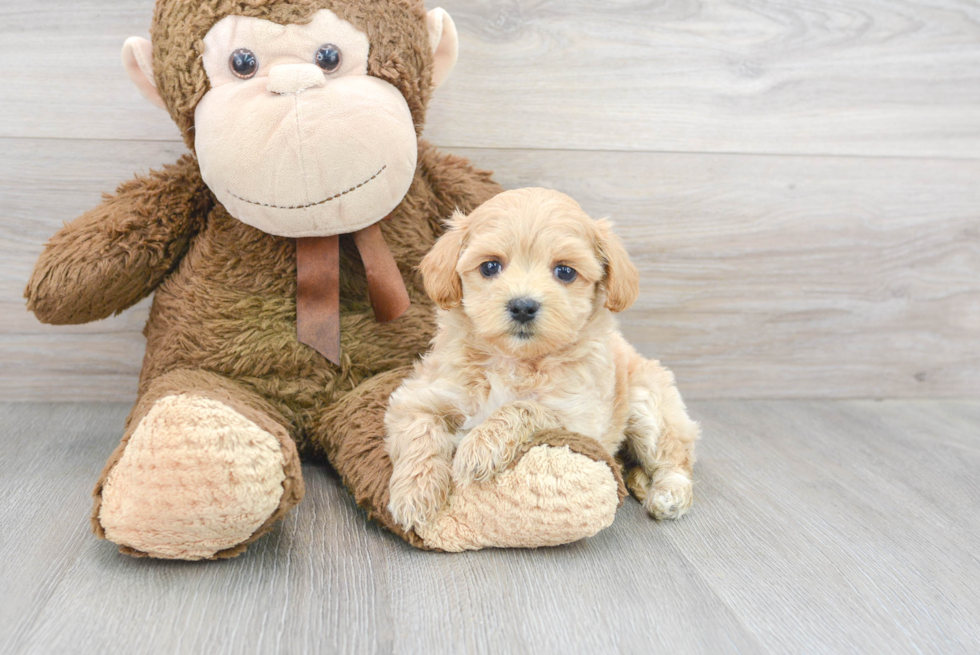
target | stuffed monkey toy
[{"x": 282, "y": 251}]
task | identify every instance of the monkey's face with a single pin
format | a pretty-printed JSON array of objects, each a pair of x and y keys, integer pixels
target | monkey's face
[{"x": 294, "y": 137}]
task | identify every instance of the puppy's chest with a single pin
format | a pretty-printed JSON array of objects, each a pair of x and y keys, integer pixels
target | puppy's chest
[{"x": 582, "y": 401}]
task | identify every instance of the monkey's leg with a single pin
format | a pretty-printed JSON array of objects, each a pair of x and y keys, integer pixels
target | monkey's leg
[
  {"x": 561, "y": 487},
  {"x": 205, "y": 468}
]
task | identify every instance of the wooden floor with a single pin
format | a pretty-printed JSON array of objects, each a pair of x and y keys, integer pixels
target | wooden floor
[{"x": 819, "y": 527}]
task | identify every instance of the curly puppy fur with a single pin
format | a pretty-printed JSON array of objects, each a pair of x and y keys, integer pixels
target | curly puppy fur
[{"x": 494, "y": 378}]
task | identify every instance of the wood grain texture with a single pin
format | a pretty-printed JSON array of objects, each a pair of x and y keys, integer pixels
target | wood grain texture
[
  {"x": 43, "y": 184},
  {"x": 762, "y": 276},
  {"x": 790, "y": 276},
  {"x": 875, "y": 77},
  {"x": 819, "y": 527}
]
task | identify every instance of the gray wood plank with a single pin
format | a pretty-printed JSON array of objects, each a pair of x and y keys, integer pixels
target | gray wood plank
[
  {"x": 951, "y": 424},
  {"x": 763, "y": 276},
  {"x": 46, "y": 468},
  {"x": 774, "y": 277},
  {"x": 870, "y": 77},
  {"x": 329, "y": 582},
  {"x": 833, "y": 500},
  {"x": 819, "y": 527}
]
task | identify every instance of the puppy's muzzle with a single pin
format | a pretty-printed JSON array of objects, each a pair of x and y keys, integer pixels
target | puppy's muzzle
[{"x": 523, "y": 310}]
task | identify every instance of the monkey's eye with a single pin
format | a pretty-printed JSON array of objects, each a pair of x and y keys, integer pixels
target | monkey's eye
[
  {"x": 243, "y": 63},
  {"x": 490, "y": 268},
  {"x": 565, "y": 273},
  {"x": 328, "y": 57}
]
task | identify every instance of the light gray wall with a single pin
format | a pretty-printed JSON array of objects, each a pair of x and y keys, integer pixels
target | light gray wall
[{"x": 799, "y": 182}]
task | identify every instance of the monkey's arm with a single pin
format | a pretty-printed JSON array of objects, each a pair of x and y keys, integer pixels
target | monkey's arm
[{"x": 116, "y": 254}]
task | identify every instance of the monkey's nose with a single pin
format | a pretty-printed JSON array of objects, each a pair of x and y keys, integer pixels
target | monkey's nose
[
  {"x": 293, "y": 78},
  {"x": 523, "y": 310}
]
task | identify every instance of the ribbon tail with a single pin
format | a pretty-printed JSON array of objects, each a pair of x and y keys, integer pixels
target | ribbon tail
[
  {"x": 318, "y": 295},
  {"x": 386, "y": 288}
]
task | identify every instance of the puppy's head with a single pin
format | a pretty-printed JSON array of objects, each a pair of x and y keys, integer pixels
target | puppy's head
[{"x": 529, "y": 268}]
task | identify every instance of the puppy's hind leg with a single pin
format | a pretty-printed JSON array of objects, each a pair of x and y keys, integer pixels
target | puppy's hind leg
[{"x": 661, "y": 436}]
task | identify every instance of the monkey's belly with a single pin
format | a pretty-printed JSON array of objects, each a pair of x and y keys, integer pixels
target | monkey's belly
[{"x": 235, "y": 315}]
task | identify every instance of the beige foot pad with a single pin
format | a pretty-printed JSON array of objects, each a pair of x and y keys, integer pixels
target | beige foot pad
[
  {"x": 552, "y": 496},
  {"x": 196, "y": 478}
]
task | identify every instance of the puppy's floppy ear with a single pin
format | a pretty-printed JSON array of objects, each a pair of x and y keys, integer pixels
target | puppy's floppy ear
[
  {"x": 622, "y": 280},
  {"x": 439, "y": 266}
]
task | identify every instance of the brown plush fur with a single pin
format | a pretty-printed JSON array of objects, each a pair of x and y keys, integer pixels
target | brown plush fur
[
  {"x": 116, "y": 254},
  {"x": 395, "y": 28},
  {"x": 223, "y": 321}
]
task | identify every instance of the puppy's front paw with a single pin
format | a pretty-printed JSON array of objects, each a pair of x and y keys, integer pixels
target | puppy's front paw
[
  {"x": 478, "y": 459},
  {"x": 417, "y": 493},
  {"x": 668, "y": 496}
]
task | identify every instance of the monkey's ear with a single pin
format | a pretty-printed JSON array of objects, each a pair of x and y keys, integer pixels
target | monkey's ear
[
  {"x": 622, "y": 279},
  {"x": 438, "y": 268},
  {"x": 444, "y": 42},
  {"x": 137, "y": 57}
]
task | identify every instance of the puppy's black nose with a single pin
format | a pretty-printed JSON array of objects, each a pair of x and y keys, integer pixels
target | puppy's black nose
[{"x": 523, "y": 310}]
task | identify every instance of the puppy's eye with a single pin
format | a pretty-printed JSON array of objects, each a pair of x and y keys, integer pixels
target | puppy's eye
[
  {"x": 565, "y": 273},
  {"x": 490, "y": 268},
  {"x": 243, "y": 63},
  {"x": 328, "y": 57}
]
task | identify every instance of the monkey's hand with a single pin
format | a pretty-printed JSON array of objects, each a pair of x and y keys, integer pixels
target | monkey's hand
[{"x": 116, "y": 254}]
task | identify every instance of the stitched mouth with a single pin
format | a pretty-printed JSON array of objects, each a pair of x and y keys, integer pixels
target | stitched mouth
[{"x": 313, "y": 204}]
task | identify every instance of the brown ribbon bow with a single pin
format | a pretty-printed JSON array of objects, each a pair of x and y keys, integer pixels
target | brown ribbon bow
[{"x": 318, "y": 287}]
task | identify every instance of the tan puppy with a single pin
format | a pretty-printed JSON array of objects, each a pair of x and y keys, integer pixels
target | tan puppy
[{"x": 527, "y": 284}]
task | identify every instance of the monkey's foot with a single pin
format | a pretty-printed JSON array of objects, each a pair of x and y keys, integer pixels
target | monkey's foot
[
  {"x": 563, "y": 487},
  {"x": 195, "y": 480}
]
